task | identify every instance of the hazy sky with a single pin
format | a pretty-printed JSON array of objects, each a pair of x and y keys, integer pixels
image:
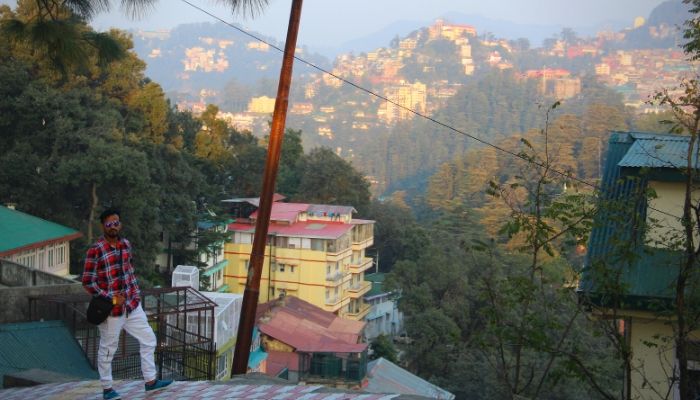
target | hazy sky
[
  {"x": 330, "y": 22},
  {"x": 327, "y": 22}
]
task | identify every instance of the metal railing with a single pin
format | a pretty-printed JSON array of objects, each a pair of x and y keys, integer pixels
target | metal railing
[{"x": 182, "y": 353}]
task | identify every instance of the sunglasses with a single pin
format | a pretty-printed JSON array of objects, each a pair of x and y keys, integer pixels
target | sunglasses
[{"x": 112, "y": 224}]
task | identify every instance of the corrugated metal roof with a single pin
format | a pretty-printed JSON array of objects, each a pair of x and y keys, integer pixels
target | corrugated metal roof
[
  {"x": 248, "y": 387},
  {"x": 383, "y": 376},
  {"x": 658, "y": 151},
  {"x": 308, "y": 328},
  {"x": 284, "y": 211},
  {"x": 649, "y": 275},
  {"x": 20, "y": 230},
  {"x": 377, "y": 280},
  {"x": 44, "y": 345}
]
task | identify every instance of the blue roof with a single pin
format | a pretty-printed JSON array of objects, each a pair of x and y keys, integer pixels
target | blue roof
[
  {"x": 46, "y": 345},
  {"x": 255, "y": 358},
  {"x": 383, "y": 376},
  {"x": 658, "y": 151}
]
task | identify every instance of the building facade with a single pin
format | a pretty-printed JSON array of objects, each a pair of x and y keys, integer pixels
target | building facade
[
  {"x": 35, "y": 242},
  {"x": 313, "y": 252},
  {"x": 632, "y": 265},
  {"x": 384, "y": 317}
]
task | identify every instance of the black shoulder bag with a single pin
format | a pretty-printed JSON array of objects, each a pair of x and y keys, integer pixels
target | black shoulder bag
[{"x": 100, "y": 308}]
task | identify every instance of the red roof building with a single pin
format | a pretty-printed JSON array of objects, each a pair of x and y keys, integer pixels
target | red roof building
[
  {"x": 315, "y": 252},
  {"x": 310, "y": 343}
]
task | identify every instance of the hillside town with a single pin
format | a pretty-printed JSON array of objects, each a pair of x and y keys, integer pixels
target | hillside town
[
  {"x": 636, "y": 74},
  {"x": 454, "y": 215}
]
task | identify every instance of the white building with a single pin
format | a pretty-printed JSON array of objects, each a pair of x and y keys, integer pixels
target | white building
[
  {"x": 384, "y": 317},
  {"x": 35, "y": 242}
]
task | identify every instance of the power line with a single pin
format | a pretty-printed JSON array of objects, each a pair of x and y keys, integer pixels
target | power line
[{"x": 417, "y": 113}]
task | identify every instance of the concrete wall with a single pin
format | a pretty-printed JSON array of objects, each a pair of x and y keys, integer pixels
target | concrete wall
[
  {"x": 669, "y": 201},
  {"x": 653, "y": 358},
  {"x": 23, "y": 283}
]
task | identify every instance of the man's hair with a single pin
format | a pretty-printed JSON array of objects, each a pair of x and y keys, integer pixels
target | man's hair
[{"x": 109, "y": 212}]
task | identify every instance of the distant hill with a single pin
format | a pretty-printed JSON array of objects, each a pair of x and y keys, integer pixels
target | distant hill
[
  {"x": 663, "y": 29},
  {"x": 380, "y": 38},
  {"x": 208, "y": 55}
]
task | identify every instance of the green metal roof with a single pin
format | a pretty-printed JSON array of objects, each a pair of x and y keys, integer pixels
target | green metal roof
[
  {"x": 46, "y": 345},
  {"x": 223, "y": 288},
  {"x": 217, "y": 267},
  {"x": 19, "y": 230},
  {"x": 619, "y": 268},
  {"x": 377, "y": 280}
]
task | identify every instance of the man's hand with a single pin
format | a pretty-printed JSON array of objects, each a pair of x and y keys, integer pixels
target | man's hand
[{"x": 118, "y": 299}]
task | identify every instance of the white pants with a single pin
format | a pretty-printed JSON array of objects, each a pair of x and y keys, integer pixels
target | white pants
[{"x": 136, "y": 324}]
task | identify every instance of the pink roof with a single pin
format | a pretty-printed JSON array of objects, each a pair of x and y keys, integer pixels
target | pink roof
[
  {"x": 284, "y": 211},
  {"x": 308, "y": 229},
  {"x": 277, "y": 361},
  {"x": 308, "y": 328}
]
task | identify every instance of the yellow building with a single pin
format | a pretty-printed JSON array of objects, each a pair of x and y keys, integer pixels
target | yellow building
[
  {"x": 404, "y": 97},
  {"x": 262, "y": 105},
  {"x": 639, "y": 292},
  {"x": 314, "y": 252}
]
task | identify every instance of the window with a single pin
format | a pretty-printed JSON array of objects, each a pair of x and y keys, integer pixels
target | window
[
  {"x": 328, "y": 269},
  {"x": 281, "y": 267},
  {"x": 291, "y": 268},
  {"x": 282, "y": 241},
  {"x": 243, "y": 238},
  {"x": 328, "y": 294},
  {"x": 222, "y": 364},
  {"x": 318, "y": 244}
]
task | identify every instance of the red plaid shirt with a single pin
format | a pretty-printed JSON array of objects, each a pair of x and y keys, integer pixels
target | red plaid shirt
[{"x": 106, "y": 276}]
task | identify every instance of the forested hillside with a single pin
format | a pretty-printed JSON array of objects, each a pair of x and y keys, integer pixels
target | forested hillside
[{"x": 80, "y": 135}]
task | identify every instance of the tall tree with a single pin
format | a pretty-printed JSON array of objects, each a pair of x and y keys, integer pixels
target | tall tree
[{"x": 328, "y": 179}]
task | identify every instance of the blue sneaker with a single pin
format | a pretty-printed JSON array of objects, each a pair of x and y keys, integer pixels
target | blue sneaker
[
  {"x": 110, "y": 394},
  {"x": 157, "y": 385}
]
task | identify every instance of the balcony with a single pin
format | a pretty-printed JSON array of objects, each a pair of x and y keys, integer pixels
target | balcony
[
  {"x": 335, "y": 277},
  {"x": 360, "y": 266},
  {"x": 333, "y": 304},
  {"x": 362, "y": 244},
  {"x": 334, "y": 257},
  {"x": 360, "y": 311},
  {"x": 357, "y": 290}
]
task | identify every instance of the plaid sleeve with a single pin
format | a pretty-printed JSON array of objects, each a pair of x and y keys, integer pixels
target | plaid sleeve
[
  {"x": 90, "y": 273},
  {"x": 133, "y": 293}
]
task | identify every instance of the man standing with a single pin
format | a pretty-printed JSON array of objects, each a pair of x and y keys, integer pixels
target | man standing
[{"x": 109, "y": 274}]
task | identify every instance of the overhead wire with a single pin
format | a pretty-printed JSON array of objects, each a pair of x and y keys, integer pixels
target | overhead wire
[{"x": 417, "y": 113}]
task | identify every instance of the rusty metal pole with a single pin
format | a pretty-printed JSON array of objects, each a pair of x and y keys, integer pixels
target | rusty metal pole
[{"x": 257, "y": 256}]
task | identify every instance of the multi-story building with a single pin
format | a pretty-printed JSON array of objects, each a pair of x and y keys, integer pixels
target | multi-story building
[
  {"x": 631, "y": 271},
  {"x": 314, "y": 252},
  {"x": 35, "y": 242},
  {"x": 261, "y": 105},
  {"x": 404, "y": 97},
  {"x": 385, "y": 317}
]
